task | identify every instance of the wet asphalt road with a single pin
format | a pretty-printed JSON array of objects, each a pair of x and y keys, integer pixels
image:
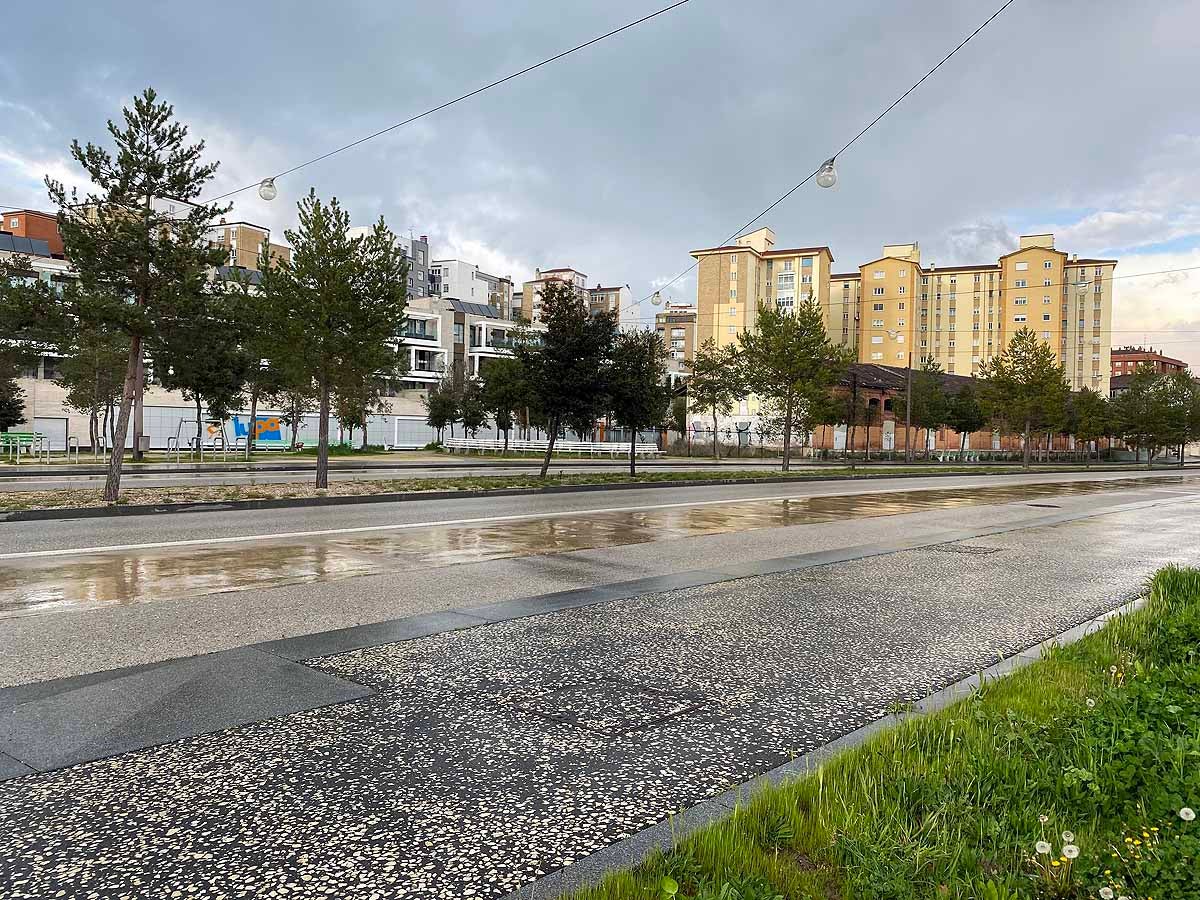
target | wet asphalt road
[
  {"x": 489, "y": 756},
  {"x": 85, "y": 595}
]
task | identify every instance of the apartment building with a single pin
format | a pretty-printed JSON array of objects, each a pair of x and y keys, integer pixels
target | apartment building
[
  {"x": 1127, "y": 360},
  {"x": 40, "y": 226},
  {"x": 959, "y": 316},
  {"x": 676, "y": 325},
  {"x": 609, "y": 299},
  {"x": 243, "y": 242},
  {"x": 531, "y": 291},
  {"x": 732, "y": 281},
  {"x": 466, "y": 281}
]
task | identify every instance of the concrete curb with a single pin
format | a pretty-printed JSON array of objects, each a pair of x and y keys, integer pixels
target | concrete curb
[
  {"x": 93, "y": 512},
  {"x": 632, "y": 850}
]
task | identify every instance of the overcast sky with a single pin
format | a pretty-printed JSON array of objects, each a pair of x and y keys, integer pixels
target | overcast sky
[{"x": 1077, "y": 116}]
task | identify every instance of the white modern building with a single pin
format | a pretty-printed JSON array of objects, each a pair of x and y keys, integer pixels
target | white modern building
[{"x": 461, "y": 280}]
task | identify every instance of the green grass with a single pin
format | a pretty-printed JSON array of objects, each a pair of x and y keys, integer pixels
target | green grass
[{"x": 1100, "y": 740}]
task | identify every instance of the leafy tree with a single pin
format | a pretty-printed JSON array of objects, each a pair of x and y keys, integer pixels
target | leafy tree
[
  {"x": 345, "y": 299},
  {"x": 295, "y": 400},
  {"x": 472, "y": 408},
  {"x": 1025, "y": 386},
  {"x": 131, "y": 245},
  {"x": 1182, "y": 400},
  {"x": 678, "y": 415},
  {"x": 872, "y": 415},
  {"x": 504, "y": 392},
  {"x": 715, "y": 383},
  {"x": 566, "y": 366},
  {"x": 1090, "y": 419},
  {"x": 965, "y": 415},
  {"x": 442, "y": 405},
  {"x": 788, "y": 359},
  {"x": 930, "y": 405},
  {"x": 257, "y": 312},
  {"x": 12, "y": 401},
  {"x": 638, "y": 393},
  {"x": 92, "y": 373},
  {"x": 199, "y": 355}
]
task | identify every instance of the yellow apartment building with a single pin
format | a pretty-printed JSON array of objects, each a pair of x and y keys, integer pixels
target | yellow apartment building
[{"x": 960, "y": 316}]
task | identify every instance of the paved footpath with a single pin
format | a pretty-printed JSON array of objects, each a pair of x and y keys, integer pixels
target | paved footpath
[{"x": 486, "y": 757}]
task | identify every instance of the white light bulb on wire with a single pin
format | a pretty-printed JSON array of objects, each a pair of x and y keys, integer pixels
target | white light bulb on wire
[
  {"x": 827, "y": 174},
  {"x": 656, "y": 299},
  {"x": 267, "y": 189}
]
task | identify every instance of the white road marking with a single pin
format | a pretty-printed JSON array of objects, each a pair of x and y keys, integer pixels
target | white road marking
[{"x": 407, "y": 526}]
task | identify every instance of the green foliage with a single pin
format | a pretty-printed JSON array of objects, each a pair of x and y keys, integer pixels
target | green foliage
[
  {"x": 472, "y": 408},
  {"x": 442, "y": 404},
  {"x": 566, "y": 366},
  {"x": 638, "y": 393},
  {"x": 12, "y": 402},
  {"x": 1157, "y": 411},
  {"x": 930, "y": 404},
  {"x": 964, "y": 413},
  {"x": 93, "y": 372},
  {"x": 1025, "y": 387},
  {"x": 1094, "y": 747},
  {"x": 678, "y": 414},
  {"x": 715, "y": 382},
  {"x": 345, "y": 299},
  {"x": 504, "y": 392},
  {"x": 140, "y": 257},
  {"x": 788, "y": 361}
]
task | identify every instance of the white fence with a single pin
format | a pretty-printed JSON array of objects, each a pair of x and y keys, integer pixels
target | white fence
[{"x": 584, "y": 448}]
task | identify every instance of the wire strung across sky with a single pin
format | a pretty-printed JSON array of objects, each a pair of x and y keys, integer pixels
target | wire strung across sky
[
  {"x": 459, "y": 99},
  {"x": 846, "y": 146}
]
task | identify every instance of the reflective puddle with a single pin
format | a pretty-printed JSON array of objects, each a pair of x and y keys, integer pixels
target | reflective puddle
[{"x": 67, "y": 583}]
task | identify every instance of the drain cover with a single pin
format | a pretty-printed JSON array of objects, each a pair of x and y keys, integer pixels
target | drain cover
[
  {"x": 611, "y": 706},
  {"x": 969, "y": 549}
]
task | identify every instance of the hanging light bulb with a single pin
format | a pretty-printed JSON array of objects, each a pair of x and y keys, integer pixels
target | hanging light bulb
[
  {"x": 656, "y": 299},
  {"x": 827, "y": 174},
  {"x": 267, "y": 189}
]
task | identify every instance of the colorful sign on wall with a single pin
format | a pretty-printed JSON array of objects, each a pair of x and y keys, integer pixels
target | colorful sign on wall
[{"x": 265, "y": 427}]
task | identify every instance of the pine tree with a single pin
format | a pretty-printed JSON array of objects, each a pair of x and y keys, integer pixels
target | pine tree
[
  {"x": 637, "y": 391},
  {"x": 788, "y": 359},
  {"x": 566, "y": 366},
  {"x": 1025, "y": 386},
  {"x": 139, "y": 239},
  {"x": 345, "y": 299}
]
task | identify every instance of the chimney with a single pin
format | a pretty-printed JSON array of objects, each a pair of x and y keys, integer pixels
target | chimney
[
  {"x": 1074, "y": 257},
  {"x": 424, "y": 239}
]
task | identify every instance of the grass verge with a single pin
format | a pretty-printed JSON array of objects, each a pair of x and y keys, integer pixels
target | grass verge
[
  {"x": 77, "y": 498},
  {"x": 1075, "y": 777}
]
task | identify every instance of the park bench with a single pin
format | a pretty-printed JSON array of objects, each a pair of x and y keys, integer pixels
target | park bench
[{"x": 32, "y": 442}]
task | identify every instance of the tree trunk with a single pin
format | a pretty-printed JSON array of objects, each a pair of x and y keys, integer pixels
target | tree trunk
[
  {"x": 138, "y": 396},
  {"x": 295, "y": 423},
  {"x": 1027, "y": 448},
  {"x": 112, "y": 484},
  {"x": 552, "y": 435},
  {"x": 716, "y": 449},
  {"x": 364, "y": 440},
  {"x": 506, "y": 431},
  {"x": 868, "y": 451},
  {"x": 632, "y": 451},
  {"x": 94, "y": 430},
  {"x": 787, "y": 435},
  {"x": 252, "y": 425},
  {"x": 323, "y": 437},
  {"x": 962, "y": 446},
  {"x": 199, "y": 437}
]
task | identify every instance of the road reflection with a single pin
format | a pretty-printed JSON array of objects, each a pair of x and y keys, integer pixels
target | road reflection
[{"x": 62, "y": 584}]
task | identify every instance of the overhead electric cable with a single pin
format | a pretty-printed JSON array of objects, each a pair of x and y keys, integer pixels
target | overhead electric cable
[{"x": 460, "y": 98}]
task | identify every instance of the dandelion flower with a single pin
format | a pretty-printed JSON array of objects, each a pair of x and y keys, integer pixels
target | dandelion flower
[
  {"x": 1112, "y": 670},
  {"x": 1070, "y": 851},
  {"x": 1043, "y": 818},
  {"x": 1042, "y": 847},
  {"x": 1187, "y": 814},
  {"x": 1055, "y": 863},
  {"x": 1091, "y": 704},
  {"x": 1106, "y": 893},
  {"x": 1068, "y": 837}
]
